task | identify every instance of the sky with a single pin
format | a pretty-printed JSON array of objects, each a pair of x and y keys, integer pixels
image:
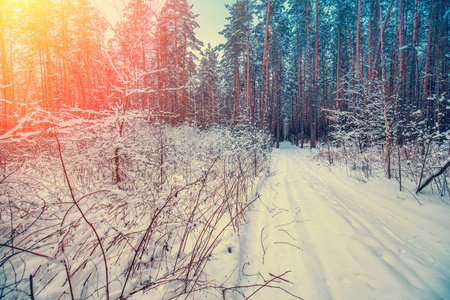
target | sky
[{"x": 211, "y": 19}]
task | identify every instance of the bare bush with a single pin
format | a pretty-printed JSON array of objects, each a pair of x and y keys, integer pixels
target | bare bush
[
  {"x": 77, "y": 232},
  {"x": 410, "y": 162}
]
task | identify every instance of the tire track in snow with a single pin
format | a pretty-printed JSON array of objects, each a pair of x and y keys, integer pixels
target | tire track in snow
[
  {"x": 372, "y": 245},
  {"x": 392, "y": 236},
  {"x": 315, "y": 271},
  {"x": 342, "y": 241}
]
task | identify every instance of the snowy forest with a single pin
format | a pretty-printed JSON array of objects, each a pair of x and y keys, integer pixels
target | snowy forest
[{"x": 132, "y": 154}]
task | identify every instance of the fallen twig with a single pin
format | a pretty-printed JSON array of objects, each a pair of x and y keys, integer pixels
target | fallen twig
[
  {"x": 269, "y": 281},
  {"x": 25, "y": 250},
  {"x": 288, "y": 244},
  {"x": 262, "y": 244}
]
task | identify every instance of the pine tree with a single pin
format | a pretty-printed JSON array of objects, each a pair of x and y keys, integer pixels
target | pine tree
[
  {"x": 176, "y": 42},
  {"x": 207, "y": 94}
]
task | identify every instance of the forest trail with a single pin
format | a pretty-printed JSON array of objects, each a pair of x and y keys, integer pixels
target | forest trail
[{"x": 341, "y": 238}]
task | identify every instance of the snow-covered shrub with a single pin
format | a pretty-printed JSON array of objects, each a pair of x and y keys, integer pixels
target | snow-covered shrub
[
  {"x": 362, "y": 165},
  {"x": 373, "y": 140},
  {"x": 82, "y": 231},
  {"x": 413, "y": 162},
  {"x": 359, "y": 119}
]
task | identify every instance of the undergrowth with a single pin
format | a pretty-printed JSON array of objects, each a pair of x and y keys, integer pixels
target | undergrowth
[
  {"x": 119, "y": 205},
  {"x": 413, "y": 162}
]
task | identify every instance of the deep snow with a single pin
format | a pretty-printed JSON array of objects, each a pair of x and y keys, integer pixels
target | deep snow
[{"x": 339, "y": 237}]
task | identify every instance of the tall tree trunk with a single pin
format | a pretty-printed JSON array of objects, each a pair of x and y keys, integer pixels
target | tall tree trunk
[
  {"x": 324, "y": 123},
  {"x": 427, "y": 59},
  {"x": 308, "y": 79},
  {"x": 177, "y": 71},
  {"x": 401, "y": 72},
  {"x": 316, "y": 50},
  {"x": 303, "y": 119},
  {"x": 145, "y": 99},
  {"x": 247, "y": 80},
  {"x": 49, "y": 68},
  {"x": 386, "y": 123},
  {"x": 265, "y": 71},
  {"x": 358, "y": 25},
  {"x": 414, "y": 90},
  {"x": 183, "y": 79},
  {"x": 400, "y": 46},
  {"x": 238, "y": 88},
  {"x": 277, "y": 100},
  {"x": 437, "y": 114},
  {"x": 369, "y": 41},
  {"x": 316, "y": 77},
  {"x": 382, "y": 29},
  {"x": 338, "y": 64},
  {"x": 5, "y": 84},
  {"x": 160, "y": 80},
  {"x": 299, "y": 91},
  {"x": 65, "y": 35}
]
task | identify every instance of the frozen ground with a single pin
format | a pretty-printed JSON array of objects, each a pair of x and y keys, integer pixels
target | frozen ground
[{"x": 340, "y": 238}]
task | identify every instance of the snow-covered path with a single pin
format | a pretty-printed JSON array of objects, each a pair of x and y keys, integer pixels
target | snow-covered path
[{"x": 343, "y": 239}]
